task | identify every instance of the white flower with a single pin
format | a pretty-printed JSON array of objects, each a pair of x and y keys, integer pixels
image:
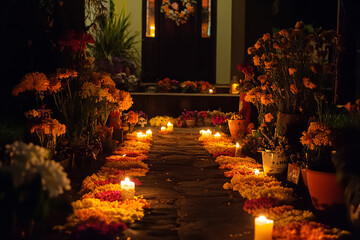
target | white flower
[{"x": 28, "y": 160}]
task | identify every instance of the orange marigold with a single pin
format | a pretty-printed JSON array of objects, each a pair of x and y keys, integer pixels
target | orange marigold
[
  {"x": 292, "y": 71},
  {"x": 32, "y": 82},
  {"x": 256, "y": 60},
  {"x": 268, "y": 117},
  {"x": 308, "y": 83},
  {"x": 293, "y": 89}
]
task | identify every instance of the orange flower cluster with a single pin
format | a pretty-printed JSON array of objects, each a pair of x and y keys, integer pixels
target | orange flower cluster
[
  {"x": 318, "y": 134},
  {"x": 133, "y": 117},
  {"x": 49, "y": 126},
  {"x": 294, "y": 64},
  {"x": 189, "y": 84},
  {"x": 305, "y": 230},
  {"x": 179, "y": 14},
  {"x": 35, "y": 81},
  {"x": 92, "y": 209},
  {"x": 204, "y": 86}
]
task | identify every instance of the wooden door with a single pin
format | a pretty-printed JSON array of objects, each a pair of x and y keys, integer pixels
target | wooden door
[{"x": 179, "y": 52}]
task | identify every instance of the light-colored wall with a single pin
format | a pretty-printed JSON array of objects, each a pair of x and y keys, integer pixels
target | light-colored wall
[
  {"x": 134, "y": 8},
  {"x": 223, "y": 42}
]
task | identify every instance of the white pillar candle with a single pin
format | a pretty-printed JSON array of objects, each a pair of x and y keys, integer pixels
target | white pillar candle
[
  {"x": 170, "y": 127},
  {"x": 163, "y": 129},
  {"x": 238, "y": 149},
  {"x": 211, "y": 91},
  {"x": 208, "y": 133},
  {"x": 127, "y": 189},
  {"x": 149, "y": 133},
  {"x": 141, "y": 136},
  {"x": 256, "y": 171},
  {"x": 217, "y": 135},
  {"x": 263, "y": 228}
]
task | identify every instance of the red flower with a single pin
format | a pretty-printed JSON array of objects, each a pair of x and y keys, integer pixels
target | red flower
[{"x": 76, "y": 41}]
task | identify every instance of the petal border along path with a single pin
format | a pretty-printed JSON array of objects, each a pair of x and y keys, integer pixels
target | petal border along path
[
  {"x": 265, "y": 195},
  {"x": 101, "y": 212}
]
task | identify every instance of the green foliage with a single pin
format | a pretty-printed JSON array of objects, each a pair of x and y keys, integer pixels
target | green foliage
[
  {"x": 10, "y": 131},
  {"x": 114, "y": 39}
]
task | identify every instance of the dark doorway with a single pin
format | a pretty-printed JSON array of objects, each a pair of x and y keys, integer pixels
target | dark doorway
[{"x": 184, "y": 52}]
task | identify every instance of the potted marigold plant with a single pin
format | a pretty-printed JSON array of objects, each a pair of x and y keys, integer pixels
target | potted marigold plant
[{"x": 292, "y": 65}]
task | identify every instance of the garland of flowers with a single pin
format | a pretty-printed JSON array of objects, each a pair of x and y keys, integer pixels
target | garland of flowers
[
  {"x": 101, "y": 207},
  {"x": 179, "y": 11},
  {"x": 265, "y": 196}
]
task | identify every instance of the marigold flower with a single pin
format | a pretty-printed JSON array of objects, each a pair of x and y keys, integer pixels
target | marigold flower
[
  {"x": 276, "y": 46},
  {"x": 292, "y": 71},
  {"x": 293, "y": 89},
  {"x": 308, "y": 83},
  {"x": 266, "y": 37},
  {"x": 299, "y": 25},
  {"x": 256, "y": 60},
  {"x": 268, "y": 117},
  {"x": 32, "y": 82},
  {"x": 312, "y": 68}
]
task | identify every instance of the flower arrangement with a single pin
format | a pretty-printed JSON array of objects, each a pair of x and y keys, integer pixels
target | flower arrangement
[
  {"x": 189, "y": 87},
  {"x": 168, "y": 85},
  {"x": 219, "y": 119},
  {"x": 178, "y": 11},
  {"x": 133, "y": 117},
  {"x": 204, "y": 87},
  {"x": 37, "y": 82},
  {"x": 187, "y": 114},
  {"x": 159, "y": 121},
  {"x": 292, "y": 65},
  {"x": 233, "y": 116},
  {"x": 47, "y": 131}
]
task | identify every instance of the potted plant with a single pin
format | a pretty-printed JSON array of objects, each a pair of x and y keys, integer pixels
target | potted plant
[
  {"x": 219, "y": 120},
  {"x": 190, "y": 117},
  {"x": 237, "y": 125},
  {"x": 201, "y": 118},
  {"x": 273, "y": 147}
]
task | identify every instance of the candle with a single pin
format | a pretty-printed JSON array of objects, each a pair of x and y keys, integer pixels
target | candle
[
  {"x": 141, "y": 136},
  {"x": 256, "y": 171},
  {"x": 149, "y": 133},
  {"x": 202, "y": 132},
  {"x": 208, "y": 133},
  {"x": 170, "y": 127},
  {"x": 263, "y": 228},
  {"x": 152, "y": 31},
  {"x": 238, "y": 150},
  {"x": 217, "y": 135},
  {"x": 127, "y": 189},
  {"x": 211, "y": 91},
  {"x": 163, "y": 129}
]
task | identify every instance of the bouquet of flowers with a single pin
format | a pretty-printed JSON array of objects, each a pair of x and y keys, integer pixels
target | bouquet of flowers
[
  {"x": 189, "y": 87},
  {"x": 292, "y": 65},
  {"x": 187, "y": 114},
  {"x": 203, "y": 86},
  {"x": 168, "y": 85}
]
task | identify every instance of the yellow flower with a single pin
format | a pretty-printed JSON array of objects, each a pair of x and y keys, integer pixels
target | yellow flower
[
  {"x": 268, "y": 117},
  {"x": 292, "y": 71}
]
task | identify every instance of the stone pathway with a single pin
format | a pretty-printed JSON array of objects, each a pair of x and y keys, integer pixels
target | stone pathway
[{"x": 184, "y": 187}]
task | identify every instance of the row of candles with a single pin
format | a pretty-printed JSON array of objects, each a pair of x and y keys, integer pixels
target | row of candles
[
  {"x": 217, "y": 136},
  {"x": 169, "y": 127},
  {"x": 263, "y": 226},
  {"x": 143, "y": 136}
]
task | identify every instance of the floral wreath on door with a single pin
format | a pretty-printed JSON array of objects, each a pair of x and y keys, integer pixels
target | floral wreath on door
[{"x": 178, "y": 11}]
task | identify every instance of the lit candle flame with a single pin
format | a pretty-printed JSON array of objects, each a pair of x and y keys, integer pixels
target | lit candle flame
[
  {"x": 264, "y": 219},
  {"x": 237, "y": 145},
  {"x": 211, "y": 91},
  {"x": 163, "y": 128},
  {"x": 149, "y": 133},
  {"x": 217, "y": 135},
  {"x": 127, "y": 179},
  {"x": 124, "y": 155},
  {"x": 256, "y": 171}
]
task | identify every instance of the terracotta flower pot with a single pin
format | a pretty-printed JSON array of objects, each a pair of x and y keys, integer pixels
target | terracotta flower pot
[
  {"x": 324, "y": 190},
  {"x": 237, "y": 128},
  {"x": 190, "y": 122},
  {"x": 274, "y": 163}
]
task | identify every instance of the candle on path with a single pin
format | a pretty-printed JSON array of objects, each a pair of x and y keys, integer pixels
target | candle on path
[
  {"x": 238, "y": 150},
  {"x": 149, "y": 133},
  {"x": 163, "y": 129},
  {"x": 127, "y": 189},
  {"x": 263, "y": 228},
  {"x": 256, "y": 171},
  {"x": 141, "y": 136},
  {"x": 217, "y": 135},
  {"x": 211, "y": 91},
  {"x": 208, "y": 133},
  {"x": 170, "y": 127}
]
